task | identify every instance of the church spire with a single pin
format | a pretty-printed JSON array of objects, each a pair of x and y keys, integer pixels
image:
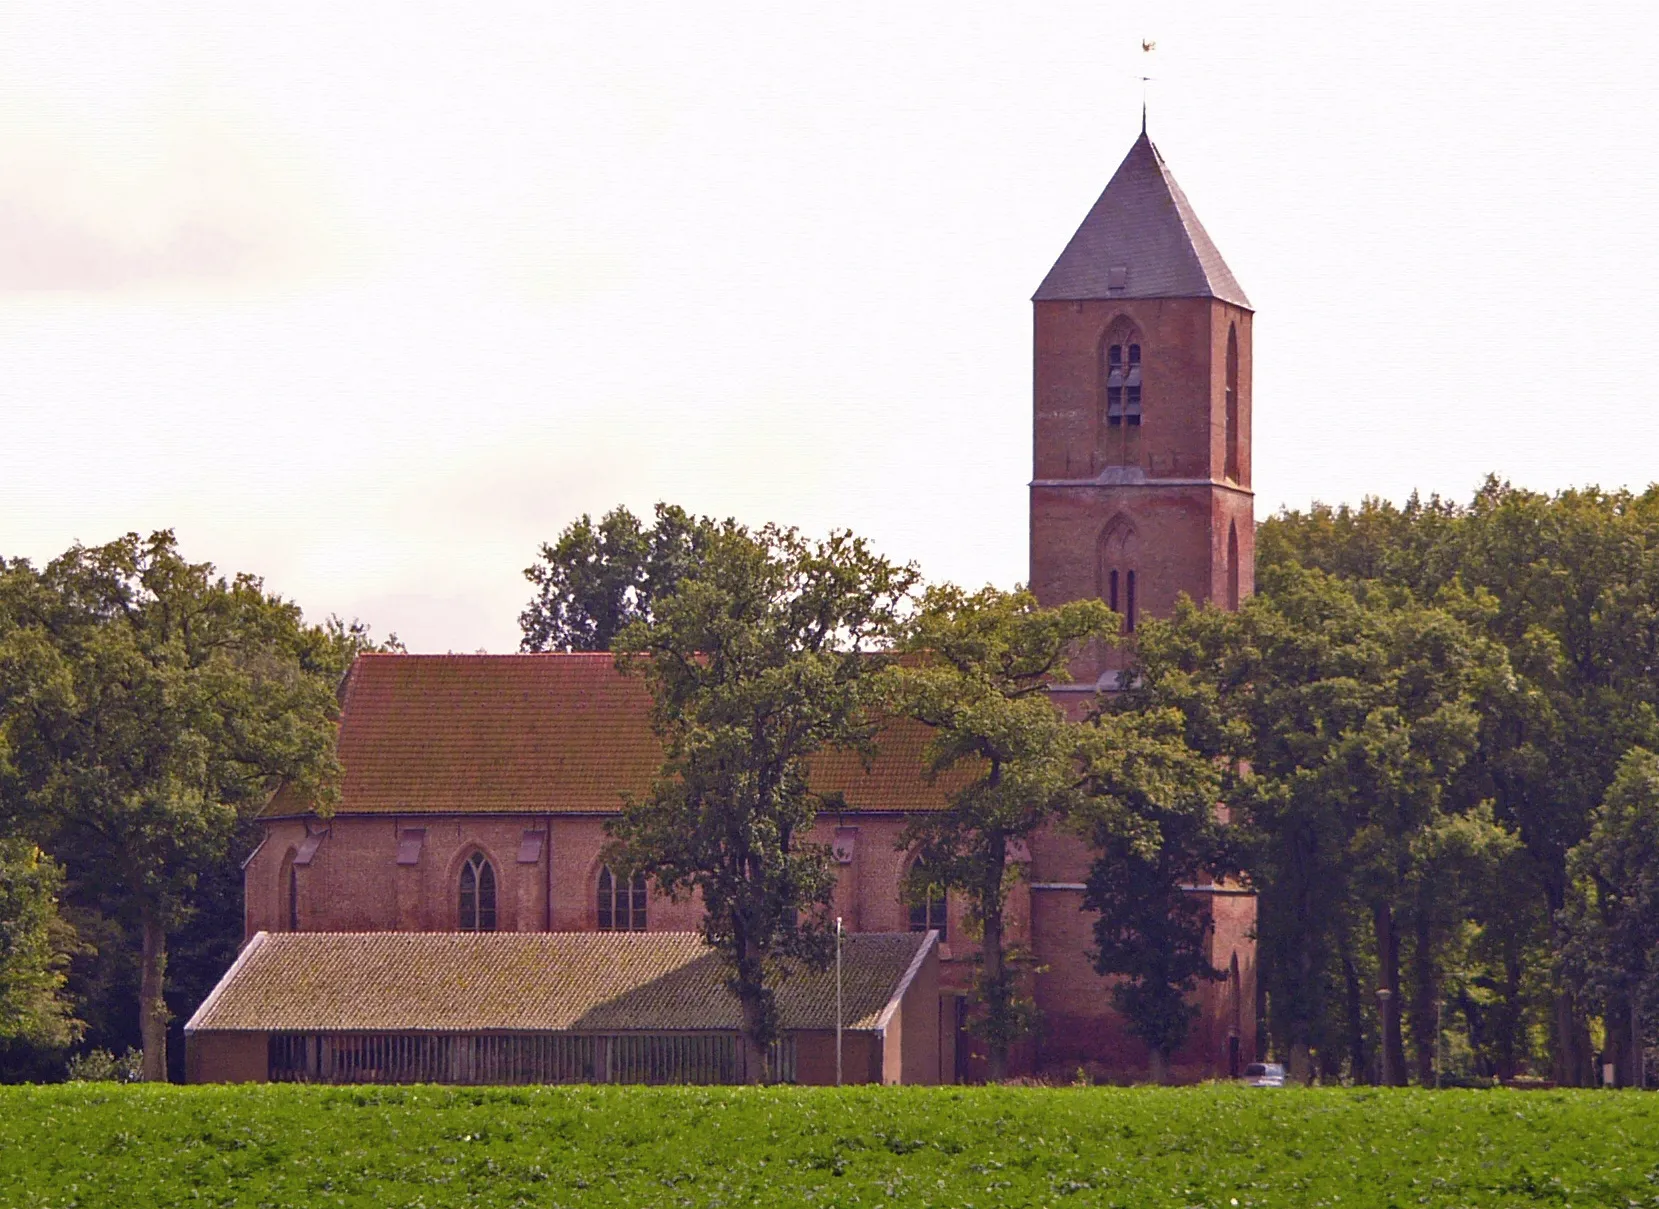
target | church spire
[{"x": 1141, "y": 239}]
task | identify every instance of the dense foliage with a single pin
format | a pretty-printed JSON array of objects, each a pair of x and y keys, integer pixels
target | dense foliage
[
  {"x": 760, "y": 658},
  {"x": 598, "y": 579},
  {"x": 147, "y": 709},
  {"x": 1150, "y": 1148},
  {"x": 1567, "y": 587},
  {"x": 34, "y": 950}
]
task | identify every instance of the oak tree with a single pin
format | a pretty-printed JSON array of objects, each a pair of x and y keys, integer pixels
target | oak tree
[
  {"x": 761, "y": 657},
  {"x": 597, "y": 579},
  {"x": 149, "y": 706},
  {"x": 978, "y": 670}
]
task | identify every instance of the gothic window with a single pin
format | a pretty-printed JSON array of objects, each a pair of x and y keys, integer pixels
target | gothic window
[
  {"x": 477, "y": 895},
  {"x": 1232, "y": 436},
  {"x": 1123, "y": 383},
  {"x": 927, "y": 903},
  {"x": 1129, "y": 602},
  {"x": 621, "y": 904}
]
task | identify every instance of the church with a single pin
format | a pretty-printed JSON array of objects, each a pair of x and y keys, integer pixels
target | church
[{"x": 452, "y": 920}]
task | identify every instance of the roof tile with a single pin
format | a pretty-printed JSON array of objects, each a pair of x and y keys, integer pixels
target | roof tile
[
  {"x": 1144, "y": 224},
  {"x": 540, "y": 734}
]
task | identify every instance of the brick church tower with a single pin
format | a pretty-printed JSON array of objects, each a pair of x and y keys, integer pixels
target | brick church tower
[{"x": 1141, "y": 481}]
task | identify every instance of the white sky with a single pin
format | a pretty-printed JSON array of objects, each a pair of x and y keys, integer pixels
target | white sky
[{"x": 372, "y": 298}]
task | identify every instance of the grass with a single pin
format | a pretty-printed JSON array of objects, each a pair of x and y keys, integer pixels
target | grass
[{"x": 102, "y": 1144}]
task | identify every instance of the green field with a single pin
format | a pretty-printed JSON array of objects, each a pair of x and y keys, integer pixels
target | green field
[{"x": 102, "y": 1144}]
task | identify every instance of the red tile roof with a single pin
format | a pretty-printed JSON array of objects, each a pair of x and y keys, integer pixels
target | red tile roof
[
  {"x": 533, "y": 981},
  {"x": 540, "y": 734}
]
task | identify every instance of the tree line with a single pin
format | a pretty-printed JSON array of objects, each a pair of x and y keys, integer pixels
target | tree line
[{"x": 1432, "y": 728}]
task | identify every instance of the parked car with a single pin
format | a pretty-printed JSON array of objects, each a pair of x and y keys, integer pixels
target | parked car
[{"x": 1264, "y": 1074}]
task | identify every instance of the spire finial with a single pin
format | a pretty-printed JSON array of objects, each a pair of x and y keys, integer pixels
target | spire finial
[{"x": 1147, "y": 47}]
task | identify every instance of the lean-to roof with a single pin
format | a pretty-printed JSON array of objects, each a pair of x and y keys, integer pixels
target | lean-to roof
[{"x": 589, "y": 982}]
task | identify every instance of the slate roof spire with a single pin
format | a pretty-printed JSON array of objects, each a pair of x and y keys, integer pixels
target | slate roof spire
[{"x": 1141, "y": 239}]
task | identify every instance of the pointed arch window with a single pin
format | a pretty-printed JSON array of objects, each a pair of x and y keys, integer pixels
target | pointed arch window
[
  {"x": 477, "y": 912},
  {"x": 1232, "y": 433},
  {"x": 928, "y": 902},
  {"x": 621, "y": 904}
]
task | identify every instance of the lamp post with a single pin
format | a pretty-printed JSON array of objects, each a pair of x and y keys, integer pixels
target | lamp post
[
  {"x": 1385, "y": 1009},
  {"x": 1638, "y": 1059},
  {"x": 838, "y": 1001}
]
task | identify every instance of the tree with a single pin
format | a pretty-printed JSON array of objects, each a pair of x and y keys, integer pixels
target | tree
[
  {"x": 34, "y": 944},
  {"x": 1453, "y": 870},
  {"x": 150, "y": 707},
  {"x": 1611, "y": 920},
  {"x": 758, "y": 659},
  {"x": 1574, "y": 583},
  {"x": 1349, "y": 708},
  {"x": 596, "y": 580},
  {"x": 1150, "y": 815},
  {"x": 978, "y": 671}
]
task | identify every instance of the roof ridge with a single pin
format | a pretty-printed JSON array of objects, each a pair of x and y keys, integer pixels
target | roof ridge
[{"x": 486, "y": 655}]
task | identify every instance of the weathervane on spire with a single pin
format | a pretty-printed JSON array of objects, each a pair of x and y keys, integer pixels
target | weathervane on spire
[{"x": 1147, "y": 47}]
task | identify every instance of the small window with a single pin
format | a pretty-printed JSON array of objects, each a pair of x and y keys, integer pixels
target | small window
[
  {"x": 621, "y": 905},
  {"x": 927, "y": 908},
  {"x": 293, "y": 899},
  {"x": 1129, "y": 602},
  {"x": 1112, "y": 590},
  {"x": 477, "y": 895}
]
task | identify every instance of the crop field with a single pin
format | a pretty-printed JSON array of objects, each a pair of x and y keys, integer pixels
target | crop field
[{"x": 104, "y": 1144}]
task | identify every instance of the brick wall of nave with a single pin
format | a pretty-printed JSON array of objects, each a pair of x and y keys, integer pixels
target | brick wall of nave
[{"x": 354, "y": 883}]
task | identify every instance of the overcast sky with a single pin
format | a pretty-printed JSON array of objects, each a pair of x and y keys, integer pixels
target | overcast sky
[{"x": 371, "y": 298}]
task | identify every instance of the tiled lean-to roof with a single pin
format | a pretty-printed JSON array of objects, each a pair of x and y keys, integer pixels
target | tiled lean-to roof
[
  {"x": 597, "y": 982},
  {"x": 1141, "y": 239},
  {"x": 538, "y": 734}
]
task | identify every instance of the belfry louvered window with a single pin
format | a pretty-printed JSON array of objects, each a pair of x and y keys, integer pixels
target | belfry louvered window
[
  {"x": 621, "y": 904},
  {"x": 1123, "y": 384},
  {"x": 477, "y": 895}
]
